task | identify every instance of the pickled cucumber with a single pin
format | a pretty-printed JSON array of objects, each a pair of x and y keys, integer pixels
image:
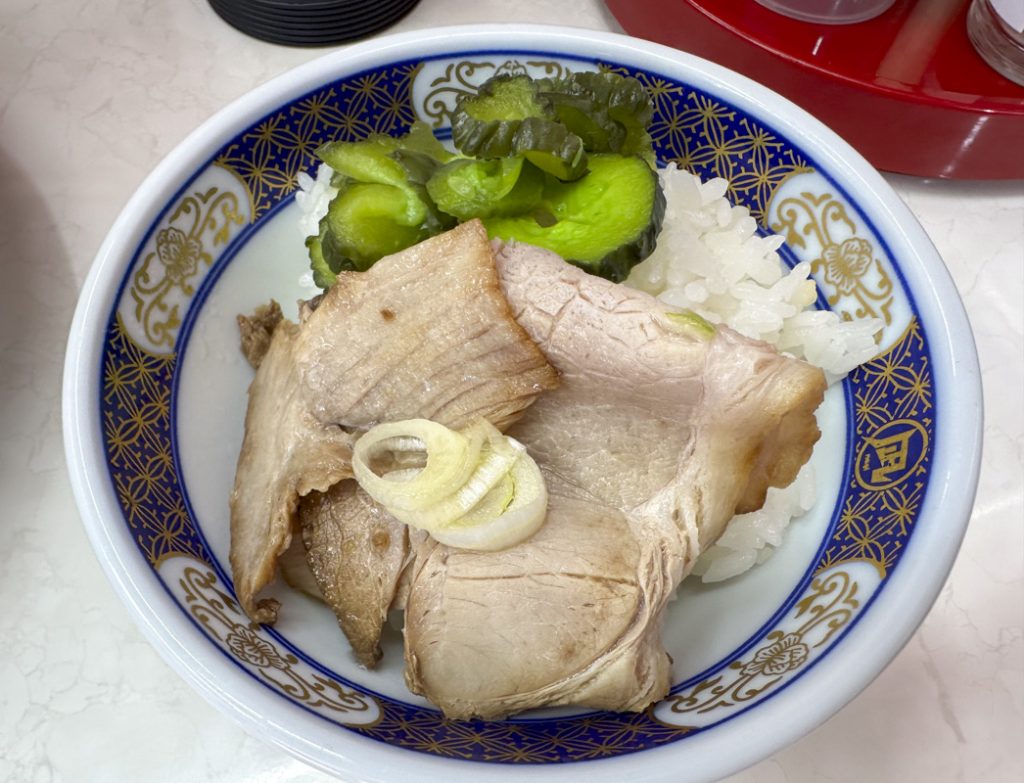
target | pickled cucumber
[
  {"x": 564, "y": 163},
  {"x": 606, "y": 222},
  {"x": 508, "y": 117},
  {"x": 469, "y": 188}
]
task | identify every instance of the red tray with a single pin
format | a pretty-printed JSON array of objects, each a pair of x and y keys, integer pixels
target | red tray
[{"x": 907, "y": 88}]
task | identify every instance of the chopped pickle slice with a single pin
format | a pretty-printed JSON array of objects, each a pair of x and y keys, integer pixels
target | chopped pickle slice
[
  {"x": 508, "y": 117},
  {"x": 467, "y": 188},
  {"x": 324, "y": 274},
  {"x": 581, "y": 115},
  {"x": 382, "y": 205},
  {"x": 606, "y": 222},
  {"x": 605, "y": 100},
  {"x": 366, "y": 221},
  {"x": 551, "y": 147},
  {"x": 484, "y": 124}
]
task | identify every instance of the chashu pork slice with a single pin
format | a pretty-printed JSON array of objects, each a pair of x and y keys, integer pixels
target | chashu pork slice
[
  {"x": 489, "y": 634},
  {"x": 658, "y": 434},
  {"x": 286, "y": 453},
  {"x": 357, "y": 552},
  {"x": 424, "y": 333}
]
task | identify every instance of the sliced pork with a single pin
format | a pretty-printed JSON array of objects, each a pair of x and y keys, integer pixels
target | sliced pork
[
  {"x": 493, "y": 633},
  {"x": 658, "y": 433},
  {"x": 425, "y": 332},
  {"x": 356, "y": 552},
  {"x": 286, "y": 453},
  {"x": 257, "y": 330}
]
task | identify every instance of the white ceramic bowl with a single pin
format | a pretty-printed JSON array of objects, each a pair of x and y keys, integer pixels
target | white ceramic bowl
[{"x": 155, "y": 392}]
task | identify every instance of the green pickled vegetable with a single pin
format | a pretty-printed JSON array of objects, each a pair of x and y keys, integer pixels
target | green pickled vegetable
[
  {"x": 507, "y": 117},
  {"x": 606, "y": 222},
  {"x": 420, "y": 139},
  {"x": 611, "y": 112},
  {"x": 382, "y": 205},
  {"x": 366, "y": 221},
  {"x": 484, "y": 125},
  {"x": 552, "y": 148},
  {"x": 405, "y": 162},
  {"x": 382, "y": 158},
  {"x": 324, "y": 274},
  {"x": 467, "y": 188},
  {"x": 364, "y": 161},
  {"x": 562, "y": 163},
  {"x": 582, "y": 116}
]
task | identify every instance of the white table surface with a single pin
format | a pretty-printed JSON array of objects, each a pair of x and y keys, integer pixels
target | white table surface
[{"x": 92, "y": 94}]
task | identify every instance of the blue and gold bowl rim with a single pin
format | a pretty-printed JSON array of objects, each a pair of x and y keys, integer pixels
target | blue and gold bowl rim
[{"x": 892, "y": 403}]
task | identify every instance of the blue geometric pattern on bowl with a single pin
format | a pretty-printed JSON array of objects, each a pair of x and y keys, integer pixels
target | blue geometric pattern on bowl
[{"x": 890, "y": 400}]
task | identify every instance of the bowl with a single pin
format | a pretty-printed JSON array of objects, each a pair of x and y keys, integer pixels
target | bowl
[{"x": 154, "y": 396}]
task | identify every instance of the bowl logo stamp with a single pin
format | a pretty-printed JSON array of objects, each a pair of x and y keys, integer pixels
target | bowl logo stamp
[
  {"x": 893, "y": 453},
  {"x": 894, "y": 422}
]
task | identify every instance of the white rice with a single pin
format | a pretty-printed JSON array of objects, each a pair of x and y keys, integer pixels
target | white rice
[
  {"x": 710, "y": 259},
  {"x": 750, "y": 539},
  {"x": 313, "y": 198}
]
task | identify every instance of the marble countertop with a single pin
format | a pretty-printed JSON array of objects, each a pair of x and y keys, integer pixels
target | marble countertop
[{"x": 92, "y": 95}]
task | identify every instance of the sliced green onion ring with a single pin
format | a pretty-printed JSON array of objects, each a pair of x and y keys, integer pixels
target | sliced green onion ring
[
  {"x": 496, "y": 460},
  {"x": 520, "y": 520},
  {"x": 477, "y": 488},
  {"x": 451, "y": 459}
]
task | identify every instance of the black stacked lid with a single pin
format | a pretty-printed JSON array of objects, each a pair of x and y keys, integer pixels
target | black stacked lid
[{"x": 310, "y": 22}]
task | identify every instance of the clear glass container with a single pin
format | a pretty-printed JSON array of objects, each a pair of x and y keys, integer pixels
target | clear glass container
[
  {"x": 829, "y": 11},
  {"x": 996, "y": 28}
]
